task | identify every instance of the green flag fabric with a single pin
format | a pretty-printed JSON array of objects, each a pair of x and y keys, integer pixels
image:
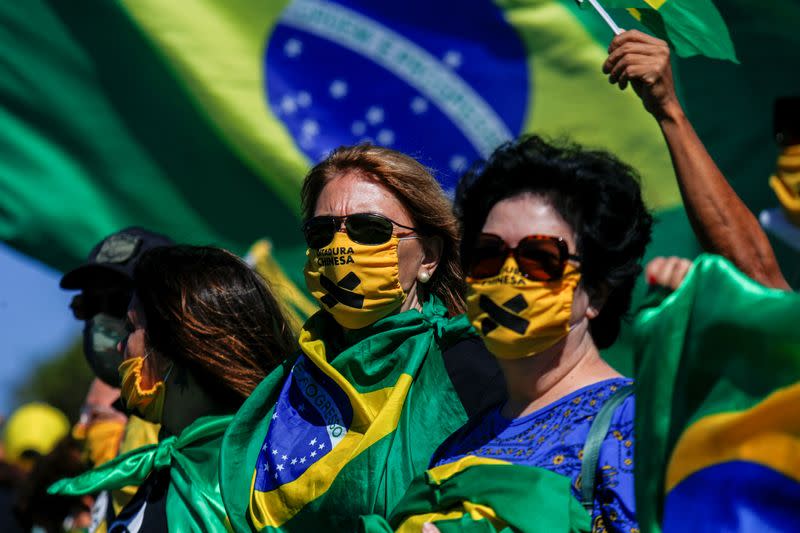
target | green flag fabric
[
  {"x": 100, "y": 131},
  {"x": 193, "y": 500},
  {"x": 718, "y": 406},
  {"x": 692, "y": 27},
  {"x": 342, "y": 430},
  {"x": 480, "y": 494}
]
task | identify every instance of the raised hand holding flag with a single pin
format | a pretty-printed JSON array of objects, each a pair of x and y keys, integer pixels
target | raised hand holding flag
[{"x": 690, "y": 27}]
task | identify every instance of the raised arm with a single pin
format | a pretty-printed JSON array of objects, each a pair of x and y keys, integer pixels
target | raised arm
[{"x": 721, "y": 221}]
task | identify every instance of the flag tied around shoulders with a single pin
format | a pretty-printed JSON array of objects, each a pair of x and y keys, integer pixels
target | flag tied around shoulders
[
  {"x": 343, "y": 429},
  {"x": 718, "y": 405},
  {"x": 478, "y": 494},
  {"x": 193, "y": 500},
  {"x": 692, "y": 27}
]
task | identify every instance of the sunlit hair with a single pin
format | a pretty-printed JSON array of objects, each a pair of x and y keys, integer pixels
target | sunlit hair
[
  {"x": 208, "y": 311},
  {"x": 417, "y": 191}
]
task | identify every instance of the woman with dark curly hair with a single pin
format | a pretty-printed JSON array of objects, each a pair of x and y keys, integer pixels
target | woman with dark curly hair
[{"x": 553, "y": 237}]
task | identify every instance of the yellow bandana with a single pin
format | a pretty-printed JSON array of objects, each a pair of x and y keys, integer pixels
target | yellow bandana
[
  {"x": 518, "y": 317},
  {"x": 357, "y": 284},
  {"x": 149, "y": 403},
  {"x": 786, "y": 182}
]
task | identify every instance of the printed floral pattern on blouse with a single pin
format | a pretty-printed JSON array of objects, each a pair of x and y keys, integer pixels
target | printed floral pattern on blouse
[{"x": 553, "y": 438}]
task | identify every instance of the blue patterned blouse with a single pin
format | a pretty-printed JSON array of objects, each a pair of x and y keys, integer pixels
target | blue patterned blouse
[{"x": 553, "y": 438}]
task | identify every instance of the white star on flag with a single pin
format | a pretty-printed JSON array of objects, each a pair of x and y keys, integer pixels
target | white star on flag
[
  {"x": 288, "y": 105},
  {"x": 294, "y": 460},
  {"x": 452, "y": 58},
  {"x": 458, "y": 163},
  {"x": 321, "y": 445},
  {"x": 374, "y": 115},
  {"x": 284, "y": 457},
  {"x": 280, "y": 467},
  {"x": 293, "y": 48},
  {"x": 302, "y": 460},
  {"x": 419, "y": 105},
  {"x": 274, "y": 415},
  {"x": 386, "y": 137},
  {"x": 358, "y": 128},
  {"x": 310, "y": 127},
  {"x": 313, "y": 454},
  {"x": 265, "y": 467},
  {"x": 303, "y": 99},
  {"x": 338, "y": 89},
  {"x": 264, "y": 447},
  {"x": 313, "y": 441},
  {"x": 274, "y": 451}
]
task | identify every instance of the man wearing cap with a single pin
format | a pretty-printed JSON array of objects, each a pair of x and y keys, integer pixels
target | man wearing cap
[
  {"x": 106, "y": 285},
  {"x": 105, "y": 282}
]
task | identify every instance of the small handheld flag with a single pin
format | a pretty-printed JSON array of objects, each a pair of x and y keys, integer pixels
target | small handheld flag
[
  {"x": 603, "y": 14},
  {"x": 691, "y": 27}
]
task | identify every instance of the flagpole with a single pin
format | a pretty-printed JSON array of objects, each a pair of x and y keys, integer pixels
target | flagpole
[{"x": 605, "y": 16}]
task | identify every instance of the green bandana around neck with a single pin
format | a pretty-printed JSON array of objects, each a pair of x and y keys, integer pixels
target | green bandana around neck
[{"x": 193, "y": 500}]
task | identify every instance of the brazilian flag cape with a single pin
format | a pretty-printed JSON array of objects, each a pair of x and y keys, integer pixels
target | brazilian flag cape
[
  {"x": 718, "y": 406},
  {"x": 193, "y": 498},
  {"x": 342, "y": 430},
  {"x": 485, "y": 495}
]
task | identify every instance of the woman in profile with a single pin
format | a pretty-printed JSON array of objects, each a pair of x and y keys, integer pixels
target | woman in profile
[{"x": 203, "y": 330}]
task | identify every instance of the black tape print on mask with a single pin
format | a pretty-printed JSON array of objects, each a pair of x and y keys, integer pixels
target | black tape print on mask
[
  {"x": 500, "y": 317},
  {"x": 342, "y": 292}
]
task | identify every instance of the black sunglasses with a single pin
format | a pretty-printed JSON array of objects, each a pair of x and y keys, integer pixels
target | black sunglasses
[
  {"x": 90, "y": 302},
  {"x": 539, "y": 257},
  {"x": 363, "y": 228}
]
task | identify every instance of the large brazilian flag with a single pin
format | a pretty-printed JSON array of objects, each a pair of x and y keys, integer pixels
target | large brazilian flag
[
  {"x": 200, "y": 118},
  {"x": 718, "y": 406}
]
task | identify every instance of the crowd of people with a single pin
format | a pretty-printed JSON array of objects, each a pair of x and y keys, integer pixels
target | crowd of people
[{"x": 452, "y": 378}]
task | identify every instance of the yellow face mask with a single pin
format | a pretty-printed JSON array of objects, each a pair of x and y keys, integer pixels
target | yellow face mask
[
  {"x": 357, "y": 284},
  {"x": 786, "y": 182},
  {"x": 148, "y": 403},
  {"x": 518, "y": 317}
]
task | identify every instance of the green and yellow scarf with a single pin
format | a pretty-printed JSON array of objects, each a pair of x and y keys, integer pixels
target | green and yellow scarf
[{"x": 343, "y": 429}]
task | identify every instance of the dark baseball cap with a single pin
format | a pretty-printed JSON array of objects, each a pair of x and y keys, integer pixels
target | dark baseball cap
[{"x": 116, "y": 255}]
